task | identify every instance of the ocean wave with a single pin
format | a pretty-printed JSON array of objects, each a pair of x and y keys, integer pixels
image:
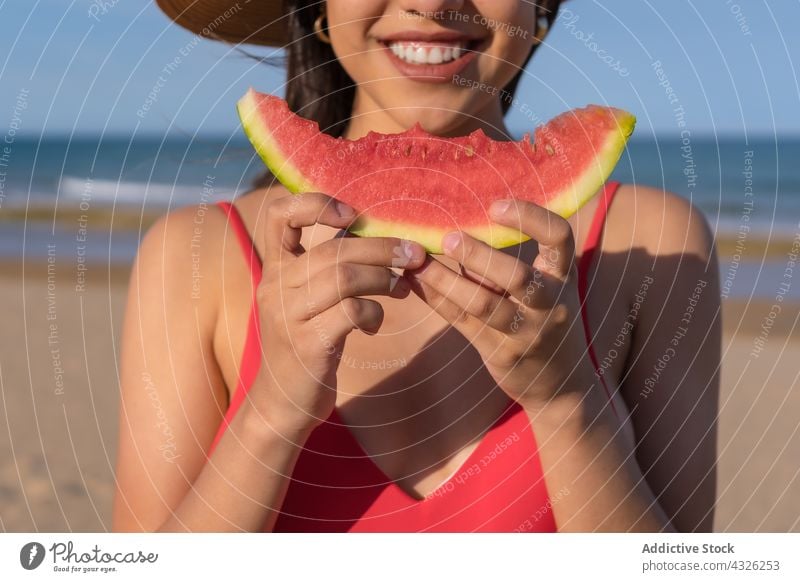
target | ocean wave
[
  {"x": 137, "y": 193},
  {"x": 781, "y": 228}
]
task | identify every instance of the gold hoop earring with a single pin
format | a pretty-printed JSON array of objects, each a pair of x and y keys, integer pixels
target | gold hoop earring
[
  {"x": 541, "y": 29},
  {"x": 319, "y": 29}
]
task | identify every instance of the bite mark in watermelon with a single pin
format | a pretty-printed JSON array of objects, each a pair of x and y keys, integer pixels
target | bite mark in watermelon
[{"x": 419, "y": 186}]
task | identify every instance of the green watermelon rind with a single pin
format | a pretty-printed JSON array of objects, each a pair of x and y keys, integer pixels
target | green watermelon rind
[
  {"x": 267, "y": 149},
  {"x": 565, "y": 204}
]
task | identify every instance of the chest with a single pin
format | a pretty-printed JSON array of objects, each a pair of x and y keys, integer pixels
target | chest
[
  {"x": 499, "y": 487},
  {"x": 612, "y": 320}
]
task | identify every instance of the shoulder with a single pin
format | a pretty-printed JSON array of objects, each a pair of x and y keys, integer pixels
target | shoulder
[
  {"x": 197, "y": 243},
  {"x": 661, "y": 223},
  {"x": 191, "y": 257},
  {"x": 176, "y": 238},
  {"x": 253, "y": 206},
  {"x": 176, "y": 231},
  {"x": 188, "y": 252},
  {"x": 183, "y": 236},
  {"x": 173, "y": 274}
]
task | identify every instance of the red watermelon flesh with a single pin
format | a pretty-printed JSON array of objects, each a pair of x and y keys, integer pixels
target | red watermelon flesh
[{"x": 419, "y": 186}]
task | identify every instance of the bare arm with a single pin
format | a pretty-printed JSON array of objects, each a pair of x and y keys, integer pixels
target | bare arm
[
  {"x": 529, "y": 340},
  {"x": 672, "y": 380},
  {"x": 671, "y": 385},
  {"x": 174, "y": 396},
  {"x": 172, "y": 387}
]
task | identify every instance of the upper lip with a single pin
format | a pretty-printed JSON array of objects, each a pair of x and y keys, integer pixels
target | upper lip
[{"x": 420, "y": 36}]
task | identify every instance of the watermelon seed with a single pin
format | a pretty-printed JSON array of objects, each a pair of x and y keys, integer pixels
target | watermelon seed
[
  {"x": 549, "y": 150},
  {"x": 470, "y": 151}
]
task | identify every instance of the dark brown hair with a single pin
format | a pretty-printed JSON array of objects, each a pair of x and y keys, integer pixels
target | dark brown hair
[{"x": 319, "y": 88}]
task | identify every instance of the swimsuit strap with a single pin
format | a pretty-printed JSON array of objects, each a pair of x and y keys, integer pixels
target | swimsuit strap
[
  {"x": 251, "y": 355},
  {"x": 590, "y": 249},
  {"x": 245, "y": 240}
]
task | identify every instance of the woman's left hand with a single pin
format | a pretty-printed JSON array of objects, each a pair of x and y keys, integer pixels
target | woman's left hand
[{"x": 524, "y": 320}]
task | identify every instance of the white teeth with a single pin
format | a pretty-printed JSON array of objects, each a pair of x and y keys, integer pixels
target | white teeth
[{"x": 414, "y": 53}]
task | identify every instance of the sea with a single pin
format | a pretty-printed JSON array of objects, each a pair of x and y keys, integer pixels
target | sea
[{"x": 748, "y": 188}]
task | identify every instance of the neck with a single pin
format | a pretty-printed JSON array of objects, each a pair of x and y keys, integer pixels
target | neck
[{"x": 368, "y": 116}]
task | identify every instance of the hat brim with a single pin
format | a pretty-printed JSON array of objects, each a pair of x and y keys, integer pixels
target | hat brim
[{"x": 259, "y": 22}]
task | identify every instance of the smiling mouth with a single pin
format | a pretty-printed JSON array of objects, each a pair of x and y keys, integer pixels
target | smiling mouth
[
  {"x": 430, "y": 52},
  {"x": 431, "y": 60}
]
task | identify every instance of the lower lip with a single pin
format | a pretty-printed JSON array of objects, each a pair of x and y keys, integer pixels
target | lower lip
[{"x": 441, "y": 73}]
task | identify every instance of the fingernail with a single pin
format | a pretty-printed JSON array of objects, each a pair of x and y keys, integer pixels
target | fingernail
[
  {"x": 417, "y": 273},
  {"x": 410, "y": 249},
  {"x": 344, "y": 210},
  {"x": 499, "y": 207},
  {"x": 451, "y": 241}
]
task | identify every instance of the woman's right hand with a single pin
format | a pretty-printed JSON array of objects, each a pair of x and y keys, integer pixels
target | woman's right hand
[{"x": 309, "y": 301}]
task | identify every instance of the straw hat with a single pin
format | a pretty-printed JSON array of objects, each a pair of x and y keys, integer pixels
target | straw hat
[{"x": 255, "y": 22}]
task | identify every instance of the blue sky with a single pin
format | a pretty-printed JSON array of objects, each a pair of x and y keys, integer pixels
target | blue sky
[{"x": 731, "y": 66}]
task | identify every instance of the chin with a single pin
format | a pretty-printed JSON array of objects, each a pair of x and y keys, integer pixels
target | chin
[{"x": 437, "y": 118}]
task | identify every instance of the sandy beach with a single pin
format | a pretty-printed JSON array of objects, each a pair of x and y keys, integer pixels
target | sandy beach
[{"x": 58, "y": 380}]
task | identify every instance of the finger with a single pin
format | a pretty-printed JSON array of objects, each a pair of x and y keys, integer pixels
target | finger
[
  {"x": 529, "y": 285},
  {"x": 482, "y": 304},
  {"x": 334, "y": 324},
  {"x": 482, "y": 281},
  {"x": 502, "y": 271},
  {"x": 475, "y": 331},
  {"x": 379, "y": 251},
  {"x": 553, "y": 233},
  {"x": 342, "y": 280},
  {"x": 287, "y": 216},
  {"x": 525, "y": 326}
]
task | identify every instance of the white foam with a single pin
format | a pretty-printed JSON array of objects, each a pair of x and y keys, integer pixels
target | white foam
[{"x": 130, "y": 193}]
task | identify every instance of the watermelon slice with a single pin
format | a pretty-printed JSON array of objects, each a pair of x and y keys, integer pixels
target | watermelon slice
[{"x": 419, "y": 186}]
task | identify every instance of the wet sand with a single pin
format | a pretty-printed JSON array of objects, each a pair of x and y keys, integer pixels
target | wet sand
[{"x": 58, "y": 427}]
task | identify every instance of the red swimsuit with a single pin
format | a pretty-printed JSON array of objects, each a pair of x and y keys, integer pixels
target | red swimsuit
[{"x": 336, "y": 487}]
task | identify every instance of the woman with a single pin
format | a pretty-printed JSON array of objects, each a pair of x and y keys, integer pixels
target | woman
[{"x": 596, "y": 412}]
